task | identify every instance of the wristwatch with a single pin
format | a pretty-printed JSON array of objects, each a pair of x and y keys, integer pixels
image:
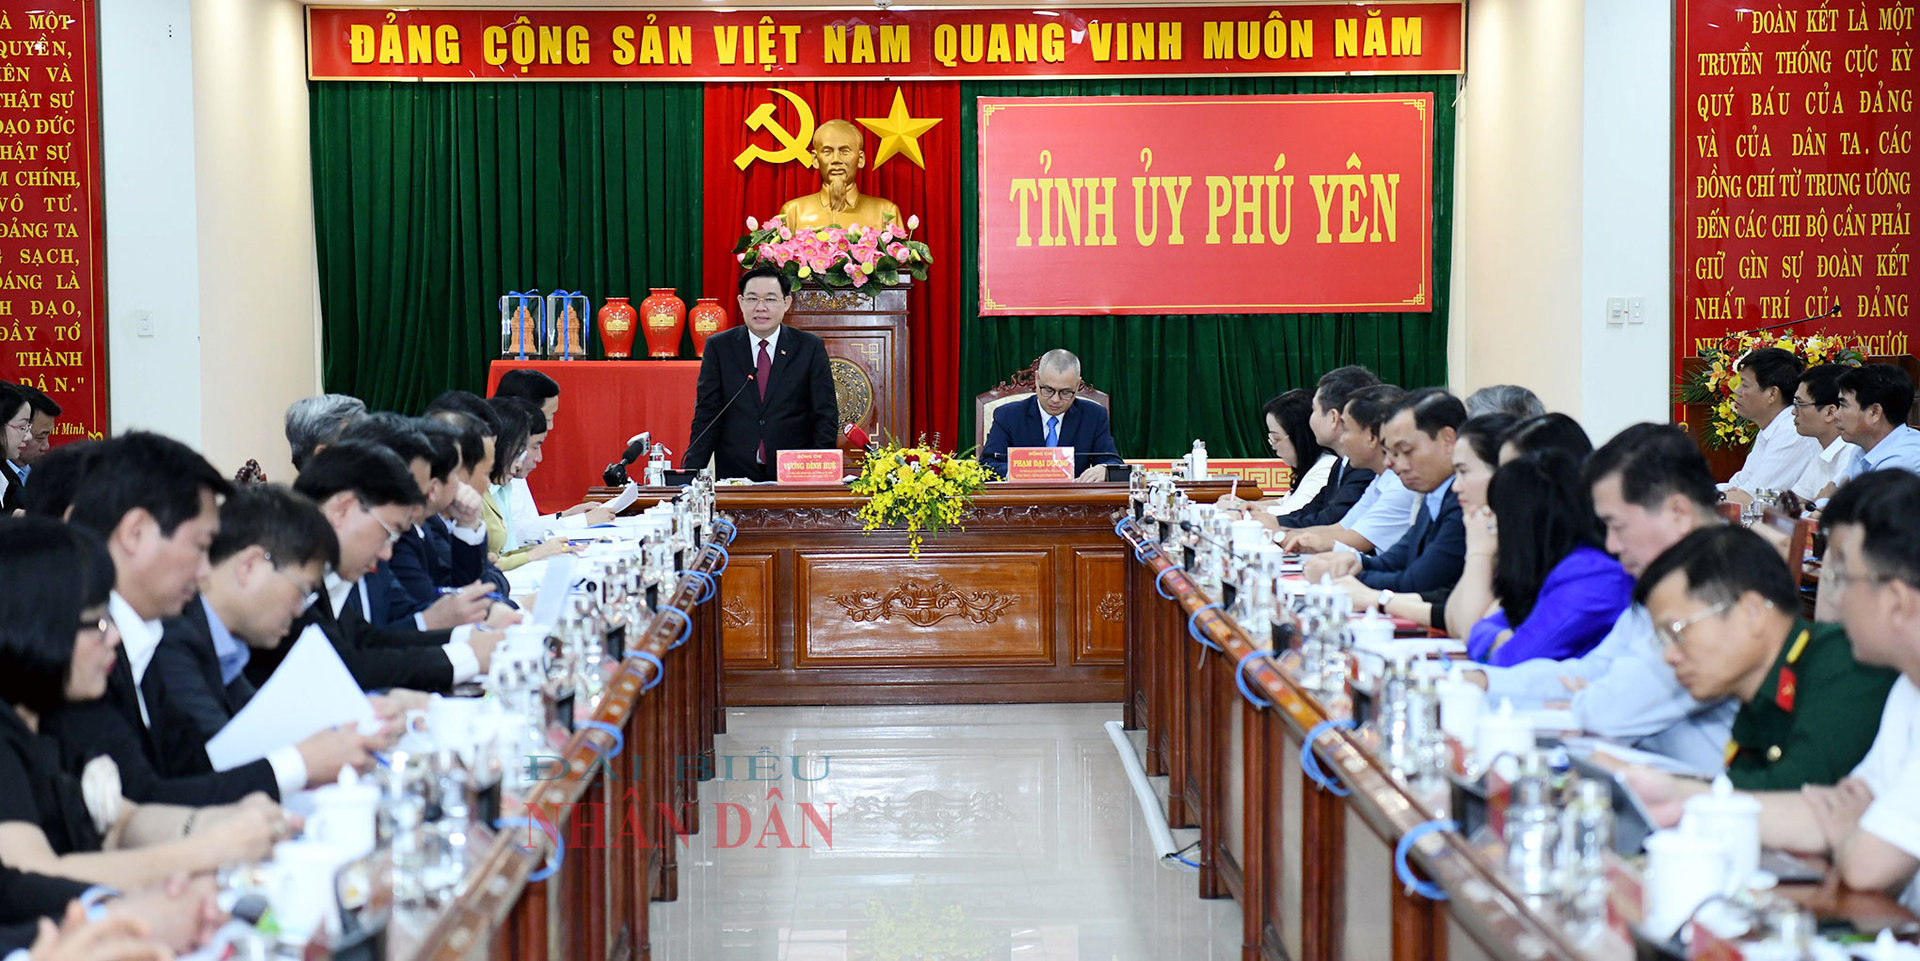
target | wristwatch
[{"x": 1380, "y": 603}]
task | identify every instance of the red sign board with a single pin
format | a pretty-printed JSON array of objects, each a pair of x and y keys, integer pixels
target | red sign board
[
  {"x": 375, "y": 43},
  {"x": 809, "y": 466},
  {"x": 1206, "y": 205},
  {"x": 52, "y": 238},
  {"x": 1043, "y": 464},
  {"x": 1794, "y": 168}
]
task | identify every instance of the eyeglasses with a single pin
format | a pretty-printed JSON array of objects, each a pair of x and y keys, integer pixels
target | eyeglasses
[
  {"x": 98, "y": 627},
  {"x": 1838, "y": 577},
  {"x": 24, "y": 428},
  {"x": 1810, "y": 405},
  {"x": 305, "y": 590},
  {"x": 760, "y": 301},
  {"x": 1670, "y": 633},
  {"x": 393, "y": 536},
  {"x": 1055, "y": 393}
]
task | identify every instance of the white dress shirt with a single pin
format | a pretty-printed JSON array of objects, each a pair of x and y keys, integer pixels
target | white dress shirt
[
  {"x": 1780, "y": 453},
  {"x": 139, "y": 637},
  {"x": 1892, "y": 770},
  {"x": 466, "y": 664},
  {"x": 1830, "y": 466},
  {"x": 528, "y": 524},
  {"x": 1306, "y": 486},
  {"x": 1383, "y": 514}
]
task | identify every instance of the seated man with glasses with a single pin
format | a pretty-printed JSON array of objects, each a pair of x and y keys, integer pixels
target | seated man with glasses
[
  {"x": 1054, "y": 417},
  {"x": 270, "y": 556},
  {"x": 1726, "y": 614},
  {"x": 369, "y": 498}
]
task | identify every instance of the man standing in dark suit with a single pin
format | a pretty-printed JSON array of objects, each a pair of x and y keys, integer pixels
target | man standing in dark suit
[
  {"x": 1419, "y": 438},
  {"x": 763, "y": 388},
  {"x": 272, "y": 553},
  {"x": 1054, "y": 417}
]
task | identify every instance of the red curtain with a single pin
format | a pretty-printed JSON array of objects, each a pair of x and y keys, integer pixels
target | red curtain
[{"x": 733, "y": 195}]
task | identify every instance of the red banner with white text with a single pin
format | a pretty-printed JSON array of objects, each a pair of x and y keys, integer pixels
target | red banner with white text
[
  {"x": 1206, "y": 205},
  {"x": 53, "y": 283},
  {"x": 1794, "y": 147},
  {"x": 375, "y": 43}
]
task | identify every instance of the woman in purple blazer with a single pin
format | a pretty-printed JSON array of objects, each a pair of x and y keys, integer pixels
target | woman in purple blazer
[{"x": 1559, "y": 592}]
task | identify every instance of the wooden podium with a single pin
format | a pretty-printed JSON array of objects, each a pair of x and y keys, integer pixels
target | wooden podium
[{"x": 867, "y": 345}]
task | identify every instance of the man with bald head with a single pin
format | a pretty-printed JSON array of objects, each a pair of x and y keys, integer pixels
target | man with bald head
[
  {"x": 1054, "y": 417},
  {"x": 838, "y": 156}
]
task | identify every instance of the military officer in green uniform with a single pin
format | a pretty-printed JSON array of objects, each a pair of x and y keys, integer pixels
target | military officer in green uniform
[{"x": 1725, "y": 608}]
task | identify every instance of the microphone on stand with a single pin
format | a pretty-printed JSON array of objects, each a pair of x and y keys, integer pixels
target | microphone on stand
[
  {"x": 853, "y": 438},
  {"x": 704, "y": 431},
  {"x": 1191, "y": 528},
  {"x": 616, "y": 473},
  {"x": 1833, "y": 311}
]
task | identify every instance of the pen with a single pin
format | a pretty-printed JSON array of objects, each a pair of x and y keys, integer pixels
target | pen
[{"x": 492, "y": 595}]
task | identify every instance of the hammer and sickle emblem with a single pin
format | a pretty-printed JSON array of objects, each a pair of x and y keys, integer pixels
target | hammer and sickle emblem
[{"x": 793, "y": 145}]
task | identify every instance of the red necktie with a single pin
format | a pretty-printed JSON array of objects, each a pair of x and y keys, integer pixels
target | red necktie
[{"x": 761, "y": 371}]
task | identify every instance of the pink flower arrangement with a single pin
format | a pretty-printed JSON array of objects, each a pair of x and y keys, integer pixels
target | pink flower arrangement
[{"x": 862, "y": 257}]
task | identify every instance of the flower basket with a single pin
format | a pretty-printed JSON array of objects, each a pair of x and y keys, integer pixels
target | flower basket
[
  {"x": 857, "y": 257},
  {"x": 1714, "y": 382},
  {"x": 917, "y": 489}
]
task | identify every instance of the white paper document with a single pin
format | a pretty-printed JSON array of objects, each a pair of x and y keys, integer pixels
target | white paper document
[
  {"x": 628, "y": 495},
  {"x": 309, "y": 692},
  {"x": 555, "y": 584}
]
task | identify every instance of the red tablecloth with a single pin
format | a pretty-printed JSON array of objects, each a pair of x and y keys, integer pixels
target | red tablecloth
[{"x": 602, "y": 403}]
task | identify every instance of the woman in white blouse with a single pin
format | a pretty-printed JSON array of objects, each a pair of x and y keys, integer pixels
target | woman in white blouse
[{"x": 1292, "y": 439}]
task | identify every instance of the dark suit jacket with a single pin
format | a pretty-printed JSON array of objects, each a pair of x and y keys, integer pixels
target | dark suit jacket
[
  {"x": 1084, "y": 427},
  {"x": 800, "y": 411},
  {"x": 14, "y": 498},
  {"x": 112, "y": 726},
  {"x": 1430, "y": 556},
  {"x": 1343, "y": 490},
  {"x": 416, "y": 573},
  {"x": 25, "y": 898},
  {"x": 378, "y": 657},
  {"x": 186, "y": 698}
]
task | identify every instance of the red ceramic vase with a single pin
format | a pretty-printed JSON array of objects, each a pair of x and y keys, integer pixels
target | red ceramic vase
[
  {"x": 663, "y": 316},
  {"x": 617, "y": 318},
  {"x": 706, "y": 319}
]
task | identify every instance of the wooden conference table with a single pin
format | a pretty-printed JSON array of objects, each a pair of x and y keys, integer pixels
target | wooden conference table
[{"x": 1027, "y": 604}]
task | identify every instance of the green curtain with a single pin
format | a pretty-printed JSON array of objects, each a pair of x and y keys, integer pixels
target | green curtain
[
  {"x": 1175, "y": 378},
  {"x": 433, "y": 199}
]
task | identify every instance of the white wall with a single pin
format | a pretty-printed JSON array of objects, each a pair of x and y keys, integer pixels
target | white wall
[
  {"x": 209, "y": 209},
  {"x": 1626, "y": 200},
  {"x": 1520, "y": 200},
  {"x": 1563, "y": 199},
  {"x": 258, "y": 309},
  {"x": 146, "y": 122}
]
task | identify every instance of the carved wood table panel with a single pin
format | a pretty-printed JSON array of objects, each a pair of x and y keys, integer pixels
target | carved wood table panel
[{"x": 1028, "y": 604}]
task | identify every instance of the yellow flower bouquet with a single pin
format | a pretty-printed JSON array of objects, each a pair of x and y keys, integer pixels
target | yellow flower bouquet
[
  {"x": 1714, "y": 383},
  {"x": 918, "y": 489}
]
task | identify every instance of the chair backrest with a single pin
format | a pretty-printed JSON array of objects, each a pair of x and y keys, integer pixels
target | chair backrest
[
  {"x": 1014, "y": 389},
  {"x": 1790, "y": 534}
]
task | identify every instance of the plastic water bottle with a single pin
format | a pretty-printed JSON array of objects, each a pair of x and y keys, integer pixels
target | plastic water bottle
[{"x": 1197, "y": 461}]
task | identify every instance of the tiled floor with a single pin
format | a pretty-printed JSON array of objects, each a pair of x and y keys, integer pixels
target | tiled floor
[{"x": 958, "y": 832}]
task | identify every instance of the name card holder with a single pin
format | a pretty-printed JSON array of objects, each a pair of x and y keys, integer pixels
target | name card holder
[
  {"x": 1047, "y": 465},
  {"x": 810, "y": 466}
]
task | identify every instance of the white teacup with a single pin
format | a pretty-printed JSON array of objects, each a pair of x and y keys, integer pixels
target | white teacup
[
  {"x": 1731, "y": 820},
  {"x": 300, "y": 886},
  {"x": 344, "y": 817},
  {"x": 1683, "y": 871}
]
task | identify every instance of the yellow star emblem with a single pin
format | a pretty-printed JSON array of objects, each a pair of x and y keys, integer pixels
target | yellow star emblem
[{"x": 899, "y": 132}]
